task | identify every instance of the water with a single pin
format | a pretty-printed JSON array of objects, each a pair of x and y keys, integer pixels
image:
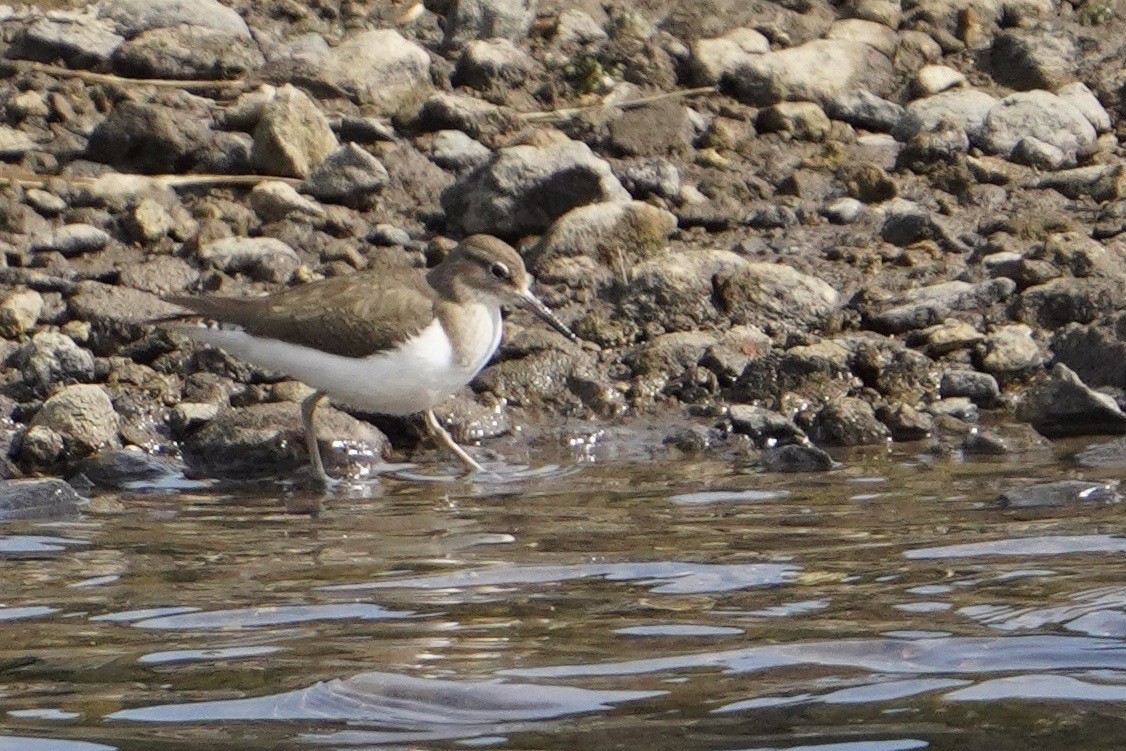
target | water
[{"x": 888, "y": 605}]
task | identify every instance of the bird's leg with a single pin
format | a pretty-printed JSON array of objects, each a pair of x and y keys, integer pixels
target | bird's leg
[
  {"x": 308, "y": 408},
  {"x": 442, "y": 436}
]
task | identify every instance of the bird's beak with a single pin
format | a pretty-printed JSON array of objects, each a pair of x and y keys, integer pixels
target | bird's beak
[{"x": 530, "y": 302}]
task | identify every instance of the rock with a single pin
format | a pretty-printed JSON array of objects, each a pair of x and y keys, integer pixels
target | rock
[
  {"x": 1041, "y": 115},
  {"x": 491, "y": 63},
  {"x": 122, "y": 468},
  {"x": 863, "y": 109},
  {"x": 795, "y": 458},
  {"x": 968, "y": 108},
  {"x": 803, "y": 120},
  {"x": 115, "y": 314},
  {"x": 905, "y": 422},
  {"x": 83, "y": 415},
  {"x": 189, "y": 416},
  {"x": 1108, "y": 455},
  {"x": 1036, "y": 153},
  {"x": 772, "y": 295},
  {"x": 50, "y": 359},
  {"x": 185, "y": 53},
  {"x": 1095, "y": 351},
  {"x": 150, "y": 220},
  {"x": 39, "y": 500},
  {"x": 134, "y": 16},
  {"x": 1005, "y": 440},
  {"x": 264, "y": 258},
  {"x": 293, "y": 135},
  {"x": 14, "y": 143},
  {"x": 574, "y": 26},
  {"x": 538, "y": 381},
  {"x": 867, "y": 182},
  {"x": 46, "y": 203},
  {"x": 1026, "y": 60},
  {"x": 147, "y": 138},
  {"x": 273, "y": 200},
  {"x": 41, "y": 447},
  {"x": 161, "y": 275},
  {"x": 267, "y": 439},
  {"x": 19, "y": 312},
  {"x": 981, "y": 388},
  {"x": 522, "y": 189},
  {"x": 649, "y": 177},
  {"x": 1083, "y": 99},
  {"x": 78, "y": 39},
  {"x": 906, "y": 223},
  {"x": 1060, "y": 493},
  {"x": 659, "y": 129},
  {"x": 711, "y": 59},
  {"x": 1010, "y": 350},
  {"x": 674, "y": 291},
  {"x": 890, "y": 368},
  {"x": 349, "y": 176},
  {"x": 1063, "y": 405},
  {"x": 72, "y": 240},
  {"x": 875, "y": 35},
  {"x": 927, "y": 306},
  {"x": 1062, "y": 301},
  {"x": 764, "y": 426},
  {"x": 817, "y": 371},
  {"x": 489, "y": 19},
  {"x": 471, "y": 115},
  {"x": 388, "y": 235},
  {"x": 469, "y": 421},
  {"x": 934, "y": 79},
  {"x": 379, "y": 69},
  {"x": 1102, "y": 182},
  {"x": 454, "y": 150},
  {"x": 816, "y": 71},
  {"x": 847, "y": 422},
  {"x": 616, "y": 235},
  {"x": 946, "y": 337},
  {"x": 843, "y": 210}
]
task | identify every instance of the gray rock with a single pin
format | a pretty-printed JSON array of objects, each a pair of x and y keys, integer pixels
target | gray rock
[
  {"x": 1068, "y": 300},
  {"x": 522, "y": 189},
  {"x": 795, "y": 458},
  {"x": 161, "y": 275},
  {"x": 574, "y": 26},
  {"x": 1083, "y": 99},
  {"x": 803, "y": 120},
  {"x": 293, "y": 135},
  {"x": 489, "y": 19},
  {"x": 712, "y": 59},
  {"x": 1006, "y": 440},
  {"x": 905, "y": 422},
  {"x": 863, "y": 109},
  {"x": 1036, "y": 153},
  {"x": 442, "y": 111},
  {"x": 268, "y": 439},
  {"x": 843, "y": 210},
  {"x": 656, "y": 130},
  {"x": 454, "y": 150},
  {"x": 906, "y": 223},
  {"x": 817, "y": 371},
  {"x": 349, "y": 176},
  {"x": 488, "y": 63},
  {"x": 39, "y": 500},
  {"x": 468, "y": 420},
  {"x": 83, "y": 415},
  {"x": 148, "y": 138},
  {"x": 14, "y": 143},
  {"x": 116, "y": 315},
  {"x": 981, "y": 388},
  {"x": 72, "y": 240},
  {"x": 1041, "y": 115},
  {"x": 264, "y": 258},
  {"x": 928, "y": 306},
  {"x": 773, "y": 295},
  {"x": 134, "y": 16},
  {"x": 889, "y": 367},
  {"x": 380, "y": 69},
  {"x": 1102, "y": 182},
  {"x": 816, "y": 71},
  {"x": 1027, "y": 60},
  {"x": 847, "y": 422},
  {"x": 19, "y": 312},
  {"x": 1063, "y": 405},
  {"x": 675, "y": 290},
  {"x": 1108, "y": 455},
  {"x": 50, "y": 359},
  {"x": 649, "y": 177},
  {"x": 1060, "y": 493},
  {"x": 187, "y": 52},
  {"x": 189, "y": 416},
  {"x": 41, "y": 447},
  {"x": 935, "y": 79},
  {"x": 1095, "y": 351},
  {"x": 78, "y": 39},
  {"x": 1011, "y": 349},
  {"x": 388, "y": 235},
  {"x": 46, "y": 203},
  {"x": 764, "y": 426},
  {"x": 273, "y": 200},
  {"x": 968, "y": 108},
  {"x": 123, "y": 468}
]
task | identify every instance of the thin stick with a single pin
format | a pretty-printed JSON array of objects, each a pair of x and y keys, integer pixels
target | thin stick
[
  {"x": 108, "y": 78},
  {"x": 565, "y": 114},
  {"x": 172, "y": 181}
]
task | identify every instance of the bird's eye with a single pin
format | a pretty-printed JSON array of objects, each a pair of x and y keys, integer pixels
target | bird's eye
[{"x": 500, "y": 271}]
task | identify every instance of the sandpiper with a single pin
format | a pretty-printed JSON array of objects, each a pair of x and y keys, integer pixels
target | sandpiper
[{"x": 391, "y": 341}]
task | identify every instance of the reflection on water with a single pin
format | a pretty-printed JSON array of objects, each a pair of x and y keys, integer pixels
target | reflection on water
[{"x": 888, "y": 605}]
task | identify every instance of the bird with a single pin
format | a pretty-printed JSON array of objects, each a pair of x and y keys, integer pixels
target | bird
[{"x": 390, "y": 341}]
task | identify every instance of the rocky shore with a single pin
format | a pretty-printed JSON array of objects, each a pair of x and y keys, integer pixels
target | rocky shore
[{"x": 779, "y": 227}]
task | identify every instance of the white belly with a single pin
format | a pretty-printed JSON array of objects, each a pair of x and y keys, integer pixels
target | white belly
[{"x": 414, "y": 378}]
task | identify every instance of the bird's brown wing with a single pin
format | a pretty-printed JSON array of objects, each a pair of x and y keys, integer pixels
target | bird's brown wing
[{"x": 354, "y": 316}]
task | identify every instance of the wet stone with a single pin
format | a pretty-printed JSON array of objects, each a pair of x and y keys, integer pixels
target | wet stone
[
  {"x": 795, "y": 458},
  {"x": 1061, "y": 493},
  {"x": 50, "y": 359},
  {"x": 847, "y": 422},
  {"x": 764, "y": 426},
  {"x": 83, "y": 415},
  {"x": 39, "y": 500},
  {"x": 1063, "y": 405},
  {"x": 982, "y": 388},
  {"x": 72, "y": 240},
  {"x": 123, "y": 467}
]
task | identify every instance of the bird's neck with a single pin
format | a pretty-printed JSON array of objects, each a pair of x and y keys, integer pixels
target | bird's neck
[
  {"x": 473, "y": 329},
  {"x": 447, "y": 282}
]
